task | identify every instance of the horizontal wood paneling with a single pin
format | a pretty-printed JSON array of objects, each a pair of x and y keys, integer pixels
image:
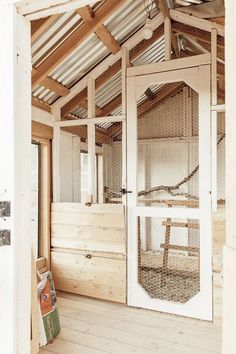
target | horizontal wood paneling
[
  {"x": 100, "y": 277},
  {"x": 88, "y": 250},
  {"x": 86, "y": 219}
]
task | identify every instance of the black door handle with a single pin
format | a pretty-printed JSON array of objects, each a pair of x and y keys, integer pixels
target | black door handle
[{"x": 124, "y": 191}]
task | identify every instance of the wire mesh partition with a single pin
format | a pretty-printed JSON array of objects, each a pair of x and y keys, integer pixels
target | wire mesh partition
[
  {"x": 168, "y": 176},
  {"x": 169, "y": 269},
  {"x": 168, "y": 160}
]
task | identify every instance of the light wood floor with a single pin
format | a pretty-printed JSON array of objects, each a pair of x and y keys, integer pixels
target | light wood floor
[{"x": 98, "y": 327}]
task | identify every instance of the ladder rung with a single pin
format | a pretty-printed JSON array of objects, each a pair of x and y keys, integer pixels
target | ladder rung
[
  {"x": 181, "y": 224},
  {"x": 179, "y": 248}
]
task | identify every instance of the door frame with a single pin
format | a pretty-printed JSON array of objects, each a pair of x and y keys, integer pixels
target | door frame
[{"x": 200, "y": 306}]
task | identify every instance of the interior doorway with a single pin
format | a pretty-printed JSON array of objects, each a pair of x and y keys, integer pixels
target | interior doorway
[{"x": 169, "y": 209}]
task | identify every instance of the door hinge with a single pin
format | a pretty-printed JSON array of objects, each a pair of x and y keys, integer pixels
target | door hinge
[
  {"x": 5, "y": 238},
  {"x": 5, "y": 209}
]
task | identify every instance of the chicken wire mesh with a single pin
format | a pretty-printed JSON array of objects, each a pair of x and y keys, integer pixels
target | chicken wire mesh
[
  {"x": 170, "y": 270},
  {"x": 168, "y": 160},
  {"x": 168, "y": 176}
]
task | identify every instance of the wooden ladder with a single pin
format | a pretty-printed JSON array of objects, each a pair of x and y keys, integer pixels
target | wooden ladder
[{"x": 168, "y": 246}]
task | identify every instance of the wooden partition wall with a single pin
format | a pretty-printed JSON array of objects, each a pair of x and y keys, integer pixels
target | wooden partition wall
[{"x": 89, "y": 250}]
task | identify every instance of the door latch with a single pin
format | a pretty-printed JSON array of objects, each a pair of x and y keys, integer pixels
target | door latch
[
  {"x": 124, "y": 191},
  {"x": 5, "y": 238}
]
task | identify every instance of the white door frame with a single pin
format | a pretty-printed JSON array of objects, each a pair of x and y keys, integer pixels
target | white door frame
[{"x": 200, "y": 306}]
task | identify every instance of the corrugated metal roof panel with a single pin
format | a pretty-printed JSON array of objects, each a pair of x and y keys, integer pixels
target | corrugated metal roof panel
[{"x": 122, "y": 25}]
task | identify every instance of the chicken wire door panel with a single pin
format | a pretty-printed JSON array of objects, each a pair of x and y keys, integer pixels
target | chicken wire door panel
[{"x": 169, "y": 207}]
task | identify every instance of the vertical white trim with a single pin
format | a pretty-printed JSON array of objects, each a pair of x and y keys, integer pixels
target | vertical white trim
[
  {"x": 214, "y": 118},
  {"x": 15, "y": 181},
  {"x": 125, "y": 64},
  {"x": 205, "y": 188}
]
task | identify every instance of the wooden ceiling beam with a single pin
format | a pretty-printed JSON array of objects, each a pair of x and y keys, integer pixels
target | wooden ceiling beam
[
  {"x": 112, "y": 71},
  {"x": 101, "y": 32},
  {"x": 54, "y": 86},
  {"x": 86, "y": 13},
  {"x": 39, "y": 26},
  {"x": 108, "y": 40},
  {"x": 41, "y": 104},
  {"x": 71, "y": 43}
]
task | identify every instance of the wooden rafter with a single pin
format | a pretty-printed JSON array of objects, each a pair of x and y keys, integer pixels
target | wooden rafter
[
  {"x": 41, "y": 104},
  {"x": 112, "y": 71},
  {"x": 101, "y": 32},
  {"x": 39, "y": 26},
  {"x": 108, "y": 40},
  {"x": 54, "y": 86},
  {"x": 86, "y": 13},
  {"x": 71, "y": 43}
]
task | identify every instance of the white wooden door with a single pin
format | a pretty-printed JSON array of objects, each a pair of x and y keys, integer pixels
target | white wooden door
[{"x": 169, "y": 237}]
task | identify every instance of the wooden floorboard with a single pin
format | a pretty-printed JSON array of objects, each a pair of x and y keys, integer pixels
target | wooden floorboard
[{"x": 92, "y": 326}]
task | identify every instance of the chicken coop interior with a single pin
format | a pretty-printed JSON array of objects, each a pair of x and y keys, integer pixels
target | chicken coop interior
[{"x": 128, "y": 174}]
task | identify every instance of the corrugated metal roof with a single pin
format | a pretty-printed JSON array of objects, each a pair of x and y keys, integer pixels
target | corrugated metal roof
[
  {"x": 112, "y": 88},
  {"x": 121, "y": 24}
]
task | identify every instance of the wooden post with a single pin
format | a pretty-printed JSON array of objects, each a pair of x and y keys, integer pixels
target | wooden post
[
  {"x": 56, "y": 157},
  {"x": 15, "y": 181},
  {"x": 229, "y": 257},
  {"x": 91, "y": 143}
]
